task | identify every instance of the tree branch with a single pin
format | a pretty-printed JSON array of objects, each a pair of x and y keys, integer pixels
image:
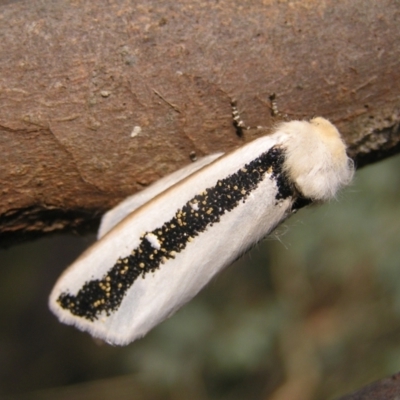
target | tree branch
[
  {"x": 384, "y": 389},
  {"x": 78, "y": 77}
]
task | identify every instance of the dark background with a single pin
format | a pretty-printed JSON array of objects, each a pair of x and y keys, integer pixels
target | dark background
[{"x": 312, "y": 312}]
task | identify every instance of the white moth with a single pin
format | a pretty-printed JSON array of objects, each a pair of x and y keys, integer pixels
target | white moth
[{"x": 157, "y": 249}]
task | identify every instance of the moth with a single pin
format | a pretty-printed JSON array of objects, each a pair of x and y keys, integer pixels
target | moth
[{"x": 159, "y": 248}]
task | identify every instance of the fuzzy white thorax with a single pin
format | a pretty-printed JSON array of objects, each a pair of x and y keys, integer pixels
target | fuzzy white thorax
[{"x": 316, "y": 160}]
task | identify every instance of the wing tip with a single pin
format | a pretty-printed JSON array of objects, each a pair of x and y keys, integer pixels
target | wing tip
[{"x": 96, "y": 328}]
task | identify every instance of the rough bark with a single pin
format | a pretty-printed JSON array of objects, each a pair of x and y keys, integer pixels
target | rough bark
[
  {"x": 77, "y": 77},
  {"x": 385, "y": 389}
]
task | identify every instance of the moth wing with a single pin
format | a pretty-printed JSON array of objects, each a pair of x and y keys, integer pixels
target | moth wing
[
  {"x": 154, "y": 296},
  {"x": 112, "y": 217}
]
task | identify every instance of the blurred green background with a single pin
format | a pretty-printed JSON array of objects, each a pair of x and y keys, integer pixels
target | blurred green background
[{"x": 312, "y": 312}]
